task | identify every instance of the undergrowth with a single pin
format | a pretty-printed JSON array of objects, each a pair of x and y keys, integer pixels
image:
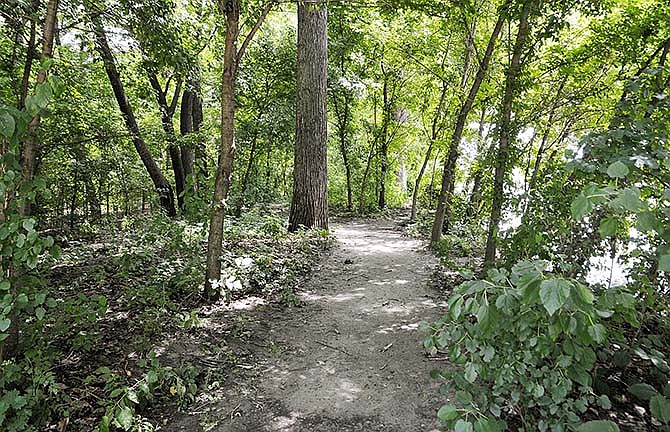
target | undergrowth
[{"x": 89, "y": 361}]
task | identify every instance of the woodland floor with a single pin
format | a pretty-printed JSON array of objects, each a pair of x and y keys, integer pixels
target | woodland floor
[{"x": 349, "y": 359}]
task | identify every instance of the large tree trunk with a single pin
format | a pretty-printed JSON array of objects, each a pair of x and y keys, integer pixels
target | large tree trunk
[
  {"x": 506, "y": 132},
  {"x": 448, "y": 174},
  {"x": 167, "y": 112},
  {"x": 227, "y": 151},
  {"x": 309, "y": 206},
  {"x": 160, "y": 182}
]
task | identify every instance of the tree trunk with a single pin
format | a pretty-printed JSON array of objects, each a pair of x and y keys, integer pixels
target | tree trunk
[
  {"x": 231, "y": 59},
  {"x": 309, "y": 206},
  {"x": 453, "y": 153},
  {"x": 9, "y": 347},
  {"x": 342, "y": 114},
  {"x": 435, "y": 129},
  {"x": 167, "y": 112},
  {"x": 250, "y": 165},
  {"x": 185, "y": 128},
  {"x": 366, "y": 174},
  {"x": 160, "y": 182},
  {"x": 506, "y": 132},
  {"x": 476, "y": 195},
  {"x": 30, "y": 54},
  {"x": 384, "y": 142},
  {"x": 417, "y": 182},
  {"x": 31, "y": 146},
  {"x": 227, "y": 151}
]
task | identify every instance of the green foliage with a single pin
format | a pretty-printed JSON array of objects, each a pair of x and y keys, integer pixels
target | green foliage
[
  {"x": 23, "y": 299},
  {"x": 124, "y": 403},
  {"x": 526, "y": 341},
  {"x": 29, "y": 392}
]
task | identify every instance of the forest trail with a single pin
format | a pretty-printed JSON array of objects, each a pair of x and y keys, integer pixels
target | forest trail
[{"x": 351, "y": 358}]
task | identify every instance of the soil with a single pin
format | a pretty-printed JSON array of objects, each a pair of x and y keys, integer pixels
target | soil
[{"x": 348, "y": 359}]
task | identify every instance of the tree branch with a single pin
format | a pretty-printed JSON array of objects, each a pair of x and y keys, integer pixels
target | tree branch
[{"x": 266, "y": 10}]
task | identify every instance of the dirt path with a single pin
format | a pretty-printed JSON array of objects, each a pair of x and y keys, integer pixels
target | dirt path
[{"x": 350, "y": 359}]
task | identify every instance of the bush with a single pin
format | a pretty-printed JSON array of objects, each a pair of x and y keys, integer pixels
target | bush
[{"x": 526, "y": 341}]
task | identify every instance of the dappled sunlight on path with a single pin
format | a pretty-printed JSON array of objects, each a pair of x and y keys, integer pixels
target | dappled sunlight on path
[{"x": 351, "y": 358}]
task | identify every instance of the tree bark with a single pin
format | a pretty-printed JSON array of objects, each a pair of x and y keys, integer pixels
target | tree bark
[
  {"x": 227, "y": 151},
  {"x": 476, "y": 194},
  {"x": 506, "y": 132},
  {"x": 30, "y": 55},
  {"x": 309, "y": 206},
  {"x": 167, "y": 112},
  {"x": 160, "y": 182},
  {"x": 342, "y": 115},
  {"x": 386, "y": 118},
  {"x": 231, "y": 59},
  {"x": 453, "y": 153},
  {"x": 30, "y": 145},
  {"x": 185, "y": 128},
  {"x": 434, "y": 132}
]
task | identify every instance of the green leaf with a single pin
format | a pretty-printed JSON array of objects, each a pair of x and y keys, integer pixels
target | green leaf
[
  {"x": 489, "y": 353},
  {"x": 132, "y": 396},
  {"x": 463, "y": 397},
  {"x": 627, "y": 199},
  {"x": 40, "y": 298},
  {"x": 124, "y": 417},
  {"x": 660, "y": 408},
  {"x": 664, "y": 263},
  {"x": 642, "y": 391},
  {"x": 647, "y": 221},
  {"x": 28, "y": 224},
  {"x": 471, "y": 372},
  {"x": 554, "y": 293},
  {"x": 486, "y": 425},
  {"x": 506, "y": 303},
  {"x": 580, "y": 207},
  {"x": 608, "y": 226},
  {"x": 618, "y": 170},
  {"x": 447, "y": 412},
  {"x": 39, "y": 313},
  {"x": 463, "y": 426},
  {"x": 22, "y": 300},
  {"x": 4, "y": 324},
  {"x": 456, "y": 308},
  {"x": 604, "y": 402},
  {"x": 598, "y": 332},
  {"x": 621, "y": 359},
  {"x": 104, "y": 424},
  {"x": 584, "y": 293},
  {"x": 7, "y": 125},
  {"x": 5, "y": 285},
  {"x": 598, "y": 426}
]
